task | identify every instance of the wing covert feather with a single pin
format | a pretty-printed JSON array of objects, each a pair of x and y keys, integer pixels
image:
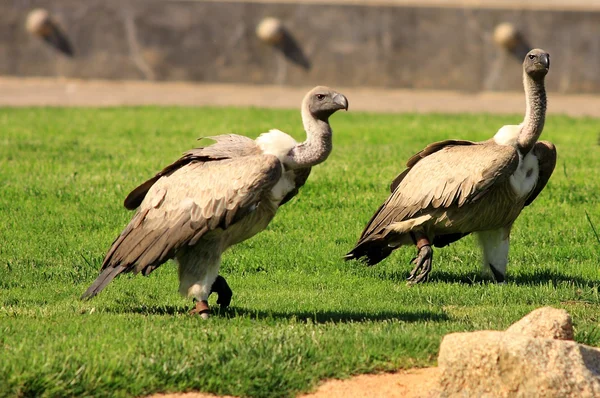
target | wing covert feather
[
  {"x": 546, "y": 153},
  {"x": 445, "y": 174},
  {"x": 299, "y": 181},
  {"x": 194, "y": 199},
  {"x": 226, "y": 146}
]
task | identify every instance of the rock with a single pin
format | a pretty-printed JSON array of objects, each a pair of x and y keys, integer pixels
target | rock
[
  {"x": 500, "y": 364},
  {"x": 546, "y": 322}
]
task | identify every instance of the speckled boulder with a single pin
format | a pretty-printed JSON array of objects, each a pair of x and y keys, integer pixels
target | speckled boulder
[
  {"x": 500, "y": 364},
  {"x": 545, "y": 322}
]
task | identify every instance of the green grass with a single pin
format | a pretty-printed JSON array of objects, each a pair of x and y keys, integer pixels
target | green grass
[{"x": 299, "y": 313}]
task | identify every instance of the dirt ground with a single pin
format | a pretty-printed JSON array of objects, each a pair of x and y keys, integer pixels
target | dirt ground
[
  {"x": 413, "y": 383},
  {"x": 70, "y": 92}
]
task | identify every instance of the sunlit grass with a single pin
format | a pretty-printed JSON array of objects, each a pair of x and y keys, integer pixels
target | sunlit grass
[{"x": 299, "y": 313}]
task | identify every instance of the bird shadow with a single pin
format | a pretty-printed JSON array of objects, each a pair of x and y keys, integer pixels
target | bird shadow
[
  {"x": 58, "y": 39},
  {"x": 292, "y": 51},
  {"x": 521, "y": 48},
  {"x": 300, "y": 316},
  {"x": 538, "y": 278},
  {"x": 336, "y": 316}
]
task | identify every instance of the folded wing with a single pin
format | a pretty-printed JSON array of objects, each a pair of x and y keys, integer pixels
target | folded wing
[
  {"x": 227, "y": 146},
  {"x": 443, "y": 175},
  {"x": 182, "y": 206}
]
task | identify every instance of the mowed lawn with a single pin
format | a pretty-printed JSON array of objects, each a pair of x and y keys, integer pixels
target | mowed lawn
[{"x": 299, "y": 314}]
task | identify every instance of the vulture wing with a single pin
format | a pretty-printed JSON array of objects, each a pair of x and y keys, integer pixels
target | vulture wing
[
  {"x": 546, "y": 153},
  {"x": 299, "y": 181},
  {"x": 226, "y": 147},
  {"x": 445, "y": 174},
  {"x": 179, "y": 208}
]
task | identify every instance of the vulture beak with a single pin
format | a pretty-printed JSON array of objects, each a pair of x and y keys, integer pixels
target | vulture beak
[
  {"x": 545, "y": 60},
  {"x": 340, "y": 100}
]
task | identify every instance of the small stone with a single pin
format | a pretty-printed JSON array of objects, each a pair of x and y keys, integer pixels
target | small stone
[{"x": 545, "y": 322}]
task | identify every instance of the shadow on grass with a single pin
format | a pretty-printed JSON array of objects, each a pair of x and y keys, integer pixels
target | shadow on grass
[
  {"x": 538, "y": 278},
  {"x": 302, "y": 316},
  {"x": 337, "y": 316}
]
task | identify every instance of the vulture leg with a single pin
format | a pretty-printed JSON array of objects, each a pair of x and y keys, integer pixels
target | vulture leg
[
  {"x": 495, "y": 244},
  {"x": 423, "y": 260},
  {"x": 223, "y": 291},
  {"x": 201, "y": 309},
  {"x": 198, "y": 271}
]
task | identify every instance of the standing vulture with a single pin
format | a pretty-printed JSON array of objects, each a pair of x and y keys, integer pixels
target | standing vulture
[
  {"x": 214, "y": 197},
  {"x": 453, "y": 188}
]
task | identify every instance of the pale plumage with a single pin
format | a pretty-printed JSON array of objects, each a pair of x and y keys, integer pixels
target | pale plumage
[
  {"x": 214, "y": 197},
  {"x": 453, "y": 188}
]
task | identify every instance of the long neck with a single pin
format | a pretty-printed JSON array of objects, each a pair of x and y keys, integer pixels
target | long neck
[
  {"x": 533, "y": 124},
  {"x": 317, "y": 146}
]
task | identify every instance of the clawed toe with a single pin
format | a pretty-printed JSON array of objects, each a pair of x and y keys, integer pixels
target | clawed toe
[{"x": 422, "y": 268}]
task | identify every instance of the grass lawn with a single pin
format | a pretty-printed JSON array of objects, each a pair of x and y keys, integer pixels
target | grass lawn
[{"x": 299, "y": 313}]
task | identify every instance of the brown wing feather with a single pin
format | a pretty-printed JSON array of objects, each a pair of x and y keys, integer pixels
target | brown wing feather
[
  {"x": 181, "y": 207},
  {"x": 434, "y": 147},
  {"x": 429, "y": 149},
  {"x": 299, "y": 181},
  {"x": 225, "y": 147},
  {"x": 546, "y": 154},
  {"x": 449, "y": 173}
]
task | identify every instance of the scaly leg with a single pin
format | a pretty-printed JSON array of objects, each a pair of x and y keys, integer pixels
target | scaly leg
[
  {"x": 223, "y": 291},
  {"x": 495, "y": 245},
  {"x": 198, "y": 271},
  {"x": 423, "y": 260}
]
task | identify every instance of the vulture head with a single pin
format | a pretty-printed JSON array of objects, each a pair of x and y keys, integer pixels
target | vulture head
[
  {"x": 537, "y": 63},
  {"x": 322, "y": 102}
]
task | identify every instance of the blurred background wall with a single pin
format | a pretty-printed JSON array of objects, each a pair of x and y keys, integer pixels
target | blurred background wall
[{"x": 441, "y": 45}]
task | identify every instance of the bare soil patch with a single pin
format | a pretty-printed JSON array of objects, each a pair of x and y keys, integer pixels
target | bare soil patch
[{"x": 411, "y": 383}]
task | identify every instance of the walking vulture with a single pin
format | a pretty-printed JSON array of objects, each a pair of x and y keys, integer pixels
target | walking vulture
[{"x": 214, "y": 197}]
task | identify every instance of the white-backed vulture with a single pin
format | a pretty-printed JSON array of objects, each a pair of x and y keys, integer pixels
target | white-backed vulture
[
  {"x": 453, "y": 188},
  {"x": 214, "y": 197}
]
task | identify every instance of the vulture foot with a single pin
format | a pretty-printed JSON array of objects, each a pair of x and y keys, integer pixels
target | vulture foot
[
  {"x": 223, "y": 291},
  {"x": 498, "y": 276},
  {"x": 422, "y": 265},
  {"x": 201, "y": 309}
]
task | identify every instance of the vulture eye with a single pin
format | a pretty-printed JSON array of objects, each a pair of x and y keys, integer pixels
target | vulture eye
[
  {"x": 531, "y": 56},
  {"x": 320, "y": 97}
]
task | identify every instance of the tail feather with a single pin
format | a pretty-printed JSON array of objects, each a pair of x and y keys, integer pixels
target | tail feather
[
  {"x": 107, "y": 275},
  {"x": 133, "y": 250},
  {"x": 371, "y": 251}
]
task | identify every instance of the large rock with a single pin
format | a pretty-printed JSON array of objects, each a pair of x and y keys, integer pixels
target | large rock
[
  {"x": 545, "y": 322},
  {"x": 499, "y": 364}
]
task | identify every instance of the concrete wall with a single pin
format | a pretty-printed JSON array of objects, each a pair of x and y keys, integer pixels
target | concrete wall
[{"x": 346, "y": 45}]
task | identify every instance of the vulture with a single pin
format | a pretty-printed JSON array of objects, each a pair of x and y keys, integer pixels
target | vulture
[
  {"x": 453, "y": 188},
  {"x": 214, "y": 197}
]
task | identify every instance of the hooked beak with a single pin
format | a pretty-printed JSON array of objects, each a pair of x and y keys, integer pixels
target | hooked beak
[
  {"x": 340, "y": 100},
  {"x": 545, "y": 61}
]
